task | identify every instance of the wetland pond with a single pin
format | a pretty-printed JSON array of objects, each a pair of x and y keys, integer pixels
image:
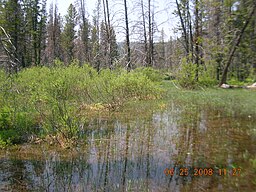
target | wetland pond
[{"x": 168, "y": 149}]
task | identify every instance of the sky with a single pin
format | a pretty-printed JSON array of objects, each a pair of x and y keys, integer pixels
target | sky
[{"x": 163, "y": 10}]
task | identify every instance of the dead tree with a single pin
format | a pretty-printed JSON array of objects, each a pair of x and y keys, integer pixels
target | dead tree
[
  {"x": 128, "y": 57},
  {"x": 8, "y": 51}
]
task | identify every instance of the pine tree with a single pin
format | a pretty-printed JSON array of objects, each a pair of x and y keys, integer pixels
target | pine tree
[
  {"x": 95, "y": 59},
  {"x": 34, "y": 31},
  {"x": 69, "y": 34},
  {"x": 53, "y": 46},
  {"x": 84, "y": 32},
  {"x": 108, "y": 46}
]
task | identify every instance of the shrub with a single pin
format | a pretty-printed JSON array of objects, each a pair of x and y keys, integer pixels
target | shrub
[
  {"x": 5, "y": 118},
  {"x": 8, "y": 137},
  {"x": 186, "y": 76},
  {"x": 134, "y": 85},
  {"x": 206, "y": 77},
  {"x": 152, "y": 74},
  {"x": 45, "y": 100}
]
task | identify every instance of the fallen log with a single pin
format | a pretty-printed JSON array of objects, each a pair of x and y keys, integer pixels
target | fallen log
[
  {"x": 253, "y": 86},
  {"x": 226, "y": 86}
]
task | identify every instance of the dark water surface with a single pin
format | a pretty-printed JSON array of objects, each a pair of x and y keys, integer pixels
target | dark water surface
[{"x": 175, "y": 149}]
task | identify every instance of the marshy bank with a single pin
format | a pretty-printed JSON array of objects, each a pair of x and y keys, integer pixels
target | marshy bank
[{"x": 45, "y": 101}]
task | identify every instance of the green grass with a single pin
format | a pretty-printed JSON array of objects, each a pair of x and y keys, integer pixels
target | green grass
[{"x": 232, "y": 101}]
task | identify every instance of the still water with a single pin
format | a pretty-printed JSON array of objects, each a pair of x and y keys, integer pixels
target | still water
[{"x": 174, "y": 149}]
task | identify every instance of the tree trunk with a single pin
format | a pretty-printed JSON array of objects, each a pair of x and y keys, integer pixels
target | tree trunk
[
  {"x": 108, "y": 29},
  {"x": 128, "y": 57},
  {"x": 149, "y": 34},
  {"x": 84, "y": 29},
  {"x": 237, "y": 42},
  {"x": 144, "y": 33},
  {"x": 183, "y": 28},
  {"x": 191, "y": 41},
  {"x": 197, "y": 53},
  {"x": 217, "y": 33}
]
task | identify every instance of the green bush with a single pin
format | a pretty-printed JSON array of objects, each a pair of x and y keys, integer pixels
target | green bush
[
  {"x": 152, "y": 74},
  {"x": 134, "y": 85},
  {"x": 14, "y": 124},
  {"x": 191, "y": 76},
  {"x": 234, "y": 81},
  {"x": 8, "y": 137},
  {"x": 41, "y": 100},
  {"x": 206, "y": 77},
  {"x": 186, "y": 76},
  {"x": 5, "y": 118}
]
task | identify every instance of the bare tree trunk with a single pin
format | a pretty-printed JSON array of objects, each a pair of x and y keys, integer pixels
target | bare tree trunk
[
  {"x": 10, "y": 52},
  {"x": 84, "y": 30},
  {"x": 197, "y": 54},
  {"x": 190, "y": 32},
  {"x": 110, "y": 32},
  {"x": 128, "y": 57},
  {"x": 107, "y": 24},
  {"x": 152, "y": 37},
  {"x": 253, "y": 47},
  {"x": 217, "y": 33},
  {"x": 237, "y": 42},
  {"x": 144, "y": 32},
  {"x": 183, "y": 28},
  {"x": 15, "y": 36},
  {"x": 149, "y": 34}
]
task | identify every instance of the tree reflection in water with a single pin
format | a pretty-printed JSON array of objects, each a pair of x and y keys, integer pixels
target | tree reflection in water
[{"x": 132, "y": 154}]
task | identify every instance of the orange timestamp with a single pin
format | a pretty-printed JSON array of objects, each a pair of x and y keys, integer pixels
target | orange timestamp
[{"x": 198, "y": 172}]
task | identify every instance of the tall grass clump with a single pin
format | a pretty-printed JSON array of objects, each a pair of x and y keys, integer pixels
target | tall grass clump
[{"x": 43, "y": 101}]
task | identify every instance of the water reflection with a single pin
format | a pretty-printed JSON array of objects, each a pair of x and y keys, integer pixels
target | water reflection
[{"x": 132, "y": 154}]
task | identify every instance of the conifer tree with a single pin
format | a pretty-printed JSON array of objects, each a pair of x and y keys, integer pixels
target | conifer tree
[{"x": 69, "y": 34}]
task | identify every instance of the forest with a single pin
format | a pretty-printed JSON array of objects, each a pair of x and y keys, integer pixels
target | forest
[
  {"x": 215, "y": 41},
  {"x": 109, "y": 100}
]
